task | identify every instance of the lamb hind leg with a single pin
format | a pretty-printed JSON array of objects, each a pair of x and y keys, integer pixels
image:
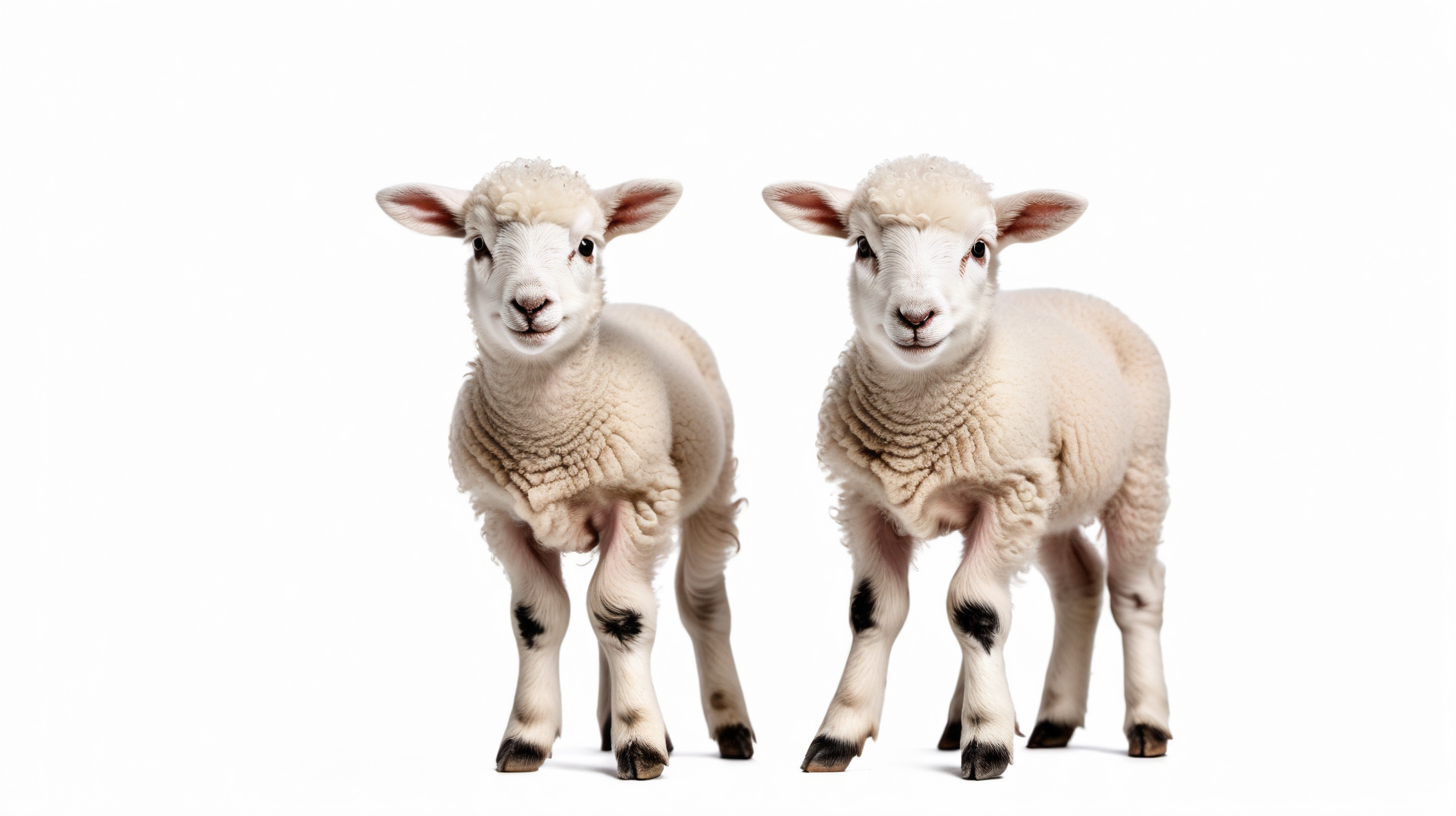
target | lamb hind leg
[
  {"x": 879, "y": 602},
  {"x": 702, "y": 602},
  {"x": 950, "y": 738},
  {"x": 539, "y": 614},
  {"x": 1074, "y": 572},
  {"x": 624, "y": 616},
  {"x": 1133, "y": 521}
]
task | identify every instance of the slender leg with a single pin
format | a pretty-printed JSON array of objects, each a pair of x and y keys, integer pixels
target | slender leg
[
  {"x": 1074, "y": 571},
  {"x": 950, "y": 738},
  {"x": 708, "y": 536},
  {"x": 879, "y": 602},
  {"x": 1133, "y": 521},
  {"x": 979, "y": 605},
  {"x": 539, "y": 613},
  {"x": 624, "y": 617},
  {"x": 604, "y": 698}
]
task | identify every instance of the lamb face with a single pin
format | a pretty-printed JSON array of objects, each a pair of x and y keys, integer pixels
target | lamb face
[
  {"x": 533, "y": 285},
  {"x": 926, "y": 233},
  {"x": 534, "y": 288},
  {"x": 917, "y": 295}
]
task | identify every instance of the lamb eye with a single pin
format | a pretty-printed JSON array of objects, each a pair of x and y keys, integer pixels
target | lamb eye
[
  {"x": 586, "y": 247},
  {"x": 864, "y": 248},
  {"x": 480, "y": 250},
  {"x": 978, "y": 250}
]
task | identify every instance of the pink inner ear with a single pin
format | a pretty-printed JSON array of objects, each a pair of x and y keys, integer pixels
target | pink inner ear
[
  {"x": 1037, "y": 217},
  {"x": 634, "y": 207},
  {"x": 427, "y": 208},
  {"x": 814, "y": 208}
]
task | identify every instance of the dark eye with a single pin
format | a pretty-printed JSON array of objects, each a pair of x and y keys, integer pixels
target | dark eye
[
  {"x": 864, "y": 248},
  {"x": 978, "y": 250},
  {"x": 586, "y": 248},
  {"x": 480, "y": 250}
]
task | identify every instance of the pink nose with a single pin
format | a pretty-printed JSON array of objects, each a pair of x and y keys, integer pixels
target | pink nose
[
  {"x": 530, "y": 305},
  {"x": 917, "y": 318}
]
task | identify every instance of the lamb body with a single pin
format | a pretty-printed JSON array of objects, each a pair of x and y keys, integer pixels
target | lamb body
[
  {"x": 1012, "y": 418},
  {"x": 643, "y": 419},
  {"x": 584, "y": 426},
  {"x": 1042, "y": 421}
]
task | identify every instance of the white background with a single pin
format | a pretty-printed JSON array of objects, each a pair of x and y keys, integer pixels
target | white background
[{"x": 236, "y": 576}]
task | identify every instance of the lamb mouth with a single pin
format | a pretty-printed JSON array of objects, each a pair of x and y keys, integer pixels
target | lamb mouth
[
  {"x": 918, "y": 347},
  {"x": 534, "y": 336}
]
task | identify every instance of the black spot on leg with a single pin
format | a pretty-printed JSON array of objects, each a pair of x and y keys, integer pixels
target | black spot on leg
[
  {"x": 529, "y": 626},
  {"x": 978, "y": 621},
  {"x": 1138, "y": 601},
  {"x": 718, "y": 701},
  {"x": 623, "y": 624},
  {"x": 862, "y": 608}
]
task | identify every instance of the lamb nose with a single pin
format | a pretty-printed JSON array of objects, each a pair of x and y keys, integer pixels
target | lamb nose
[
  {"x": 531, "y": 304},
  {"x": 917, "y": 319}
]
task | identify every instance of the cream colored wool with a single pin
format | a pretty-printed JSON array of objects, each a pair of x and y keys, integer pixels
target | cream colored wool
[
  {"x": 530, "y": 190},
  {"x": 1011, "y": 418},
  {"x": 586, "y": 427}
]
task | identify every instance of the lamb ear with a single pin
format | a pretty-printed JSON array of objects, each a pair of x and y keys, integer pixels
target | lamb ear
[
  {"x": 811, "y": 207},
  {"x": 633, "y": 206},
  {"x": 1036, "y": 214},
  {"x": 425, "y": 208}
]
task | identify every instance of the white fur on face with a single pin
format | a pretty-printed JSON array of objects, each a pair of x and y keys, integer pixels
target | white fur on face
[
  {"x": 539, "y": 267},
  {"x": 926, "y": 276}
]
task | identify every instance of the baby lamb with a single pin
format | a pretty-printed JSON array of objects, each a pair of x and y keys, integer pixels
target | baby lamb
[
  {"x": 581, "y": 427},
  {"x": 1013, "y": 420}
]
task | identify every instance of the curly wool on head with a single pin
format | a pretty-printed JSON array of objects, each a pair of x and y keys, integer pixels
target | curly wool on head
[
  {"x": 533, "y": 190},
  {"x": 922, "y": 191}
]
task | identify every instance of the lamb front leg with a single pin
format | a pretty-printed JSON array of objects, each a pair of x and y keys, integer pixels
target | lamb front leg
[
  {"x": 539, "y": 614},
  {"x": 879, "y": 602},
  {"x": 624, "y": 616},
  {"x": 979, "y": 606}
]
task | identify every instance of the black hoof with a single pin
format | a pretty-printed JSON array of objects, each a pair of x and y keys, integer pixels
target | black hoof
[
  {"x": 516, "y": 756},
  {"x": 668, "y": 738},
  {"x": 984, "y": 761},
  {"x": 607, "y": 735},
  {"x": 828, "y": 755},
  {"x": 1048, "y": 734},
  {"x": 638, "y": 761},
  {"x": 734, "y": 742},
  {"x": 1147, "y": 741},
  {"x": 950, "y": 738}
]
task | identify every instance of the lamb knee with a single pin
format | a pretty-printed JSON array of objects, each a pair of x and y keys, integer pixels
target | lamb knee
[{"x": 978, "y": 621}]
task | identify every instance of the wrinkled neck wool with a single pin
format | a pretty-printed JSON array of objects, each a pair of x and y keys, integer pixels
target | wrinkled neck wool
[
  {"x": 913, "y": 433},
  {"x": 551, "y": 435}
]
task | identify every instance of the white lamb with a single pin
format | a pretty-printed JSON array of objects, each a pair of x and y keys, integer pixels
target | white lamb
[
  {"x": 1013, "y": 420},
  {"x": 585, "y": 426}
]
